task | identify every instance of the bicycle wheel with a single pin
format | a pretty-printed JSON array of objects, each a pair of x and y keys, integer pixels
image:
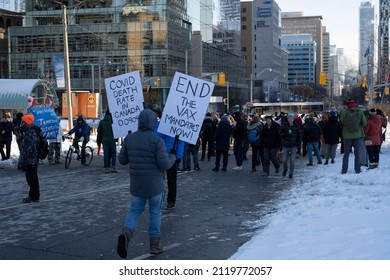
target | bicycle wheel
[
  {"x": 68, "y": 158},
  {"x": 88, "y": 155}
]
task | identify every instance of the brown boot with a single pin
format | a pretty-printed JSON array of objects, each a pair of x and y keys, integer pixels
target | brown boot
[
  {"x": 155, "y": 246},
  {"x": 123, "y": 242}
]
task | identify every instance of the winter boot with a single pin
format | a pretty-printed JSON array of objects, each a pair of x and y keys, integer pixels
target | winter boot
[
  {"x": 123, "y": 242},
  {"x": 326, "y": 162},
  {"x": 216, "y": 168},
  {"x": 155, "y": 246}
]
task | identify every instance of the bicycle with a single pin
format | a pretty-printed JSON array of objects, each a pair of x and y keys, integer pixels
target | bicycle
[{"x": 72, "y": 150}]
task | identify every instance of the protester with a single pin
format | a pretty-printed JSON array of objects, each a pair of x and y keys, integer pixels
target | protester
[
  {"x": 147, "y": 157},
  {"x": 82, "y": 132},
  {"x": 29, "y": 156},
  {"x": 176, "y": 146},
  {"x": 255, "y": 126},
  {"x": 312, "y": 134},
  {"x": 17, "y": 131},
  {"x": 207, "y": 134},
  {"x": 5, "y": 136},
  {"x": 222, "y": 140},
  {"x": 272, "y": 144},
  {"x": 55, "y": 148},
  {"x": 192, "y": 151},
  {"x": 332, "y": 132},
  {"x": 291, "y": 136},
  {"x": 372, "y": 139},
  {"x": 353, "y": 122},
  {"x": 105, "y": 136},
  {"x": 239, "y": 135}
]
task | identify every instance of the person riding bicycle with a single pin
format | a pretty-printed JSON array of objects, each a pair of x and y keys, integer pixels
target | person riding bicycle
[{"x": 82, "y": 131}]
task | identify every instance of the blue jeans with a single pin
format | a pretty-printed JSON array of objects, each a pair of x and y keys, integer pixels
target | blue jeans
[
  {"x": 310, "y": 147},
  {"x": 109, "y": 154},
  {"x": 137, "y": 206}
]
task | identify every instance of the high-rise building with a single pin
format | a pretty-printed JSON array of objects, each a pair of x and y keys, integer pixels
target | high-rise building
[
  {"x": 366, "y": 36},
  {"x": 13, "y": 5},
  {"x": 108, "y": 38},
  {"x": 297, "y": 23},
  {"x": 383, "y": 41},
  {"x": 301, "y": 58}
]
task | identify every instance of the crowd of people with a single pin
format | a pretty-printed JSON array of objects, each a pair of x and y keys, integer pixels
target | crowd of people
[{"x": 154, "y": 158}]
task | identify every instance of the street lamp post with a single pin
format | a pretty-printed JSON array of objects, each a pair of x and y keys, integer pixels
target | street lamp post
[{"x": 255, "y": 76}]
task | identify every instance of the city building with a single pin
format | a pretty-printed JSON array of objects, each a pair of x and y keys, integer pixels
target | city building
[
  {"x": 383, "y": 41},
  {"x": 297, "y": 23},
  {"x": 13, "y": 5},
  {"x": 366, "y": 36},
  {"x": 112, "y": 37}
]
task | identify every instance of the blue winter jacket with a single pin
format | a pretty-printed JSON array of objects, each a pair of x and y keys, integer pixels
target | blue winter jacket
[
  {"x": 169, "y": 141},
  {"x": 29, "y": 146}
]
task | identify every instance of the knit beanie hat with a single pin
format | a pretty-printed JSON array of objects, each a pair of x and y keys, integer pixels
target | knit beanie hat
[
  {"x": 372, "y": 111},
  {"x": 28, "y": 119}
]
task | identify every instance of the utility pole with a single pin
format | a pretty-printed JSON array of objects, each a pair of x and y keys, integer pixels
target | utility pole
[{"x": 67, "y": 69}]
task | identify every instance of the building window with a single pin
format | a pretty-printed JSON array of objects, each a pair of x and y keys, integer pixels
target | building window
[
  {"x": 243, "y": 27},
  {"x": 243, "y": 18}
]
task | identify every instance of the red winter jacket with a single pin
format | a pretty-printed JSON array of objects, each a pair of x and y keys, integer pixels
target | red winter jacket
[{"x": 373, "y": 130}]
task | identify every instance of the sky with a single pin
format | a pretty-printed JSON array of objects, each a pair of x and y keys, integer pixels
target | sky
[
  {"x": 341, "y": 18},
  {"x": 328, "y": 216}
]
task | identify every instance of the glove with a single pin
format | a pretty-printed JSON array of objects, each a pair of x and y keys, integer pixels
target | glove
[
  {"x": 81, "y": 139},
  {"x": 64, "y": 136},
  {"x": 178, "y": 160},
  {"x": 173, "y": 152}
]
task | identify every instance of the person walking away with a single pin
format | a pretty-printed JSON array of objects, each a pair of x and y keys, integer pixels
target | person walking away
[
  {"x": 372, "y": 139},
  {"x": 82, "y": 132},
  {"x": 353, "y": 121},
  {"x": 17, "y": 131},
  {"x": 255, "y": 128},
  {"x": 193, "y": 151},
  {"x": 312, "y": 133},
  {"x": 55, "y": 148},
  {"x": 29, "y": 156},
  {"x": 332, "y": 131},
  {"x": 208, "y": 130},
  {"x": 222, "y": 143},
  {"x": 171, "y": 172},
  {"x": 106, "y": 137},
  {"x": 148, "y": 159},
  {"x": 321, "y": 123},
  {"x": 290, "y": 136},
  {"x": 239, "y": 135},
  {"x": 271, "y": 143},
  {"x": 5, "y": 136}
]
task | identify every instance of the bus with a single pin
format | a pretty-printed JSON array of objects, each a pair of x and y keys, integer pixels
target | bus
[{"x": 295, "y": 107}]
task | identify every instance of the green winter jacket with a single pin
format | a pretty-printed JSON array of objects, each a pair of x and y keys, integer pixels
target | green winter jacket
[
  {"x": 105, "y": 134},
  {"x": 360, "y": 132}
]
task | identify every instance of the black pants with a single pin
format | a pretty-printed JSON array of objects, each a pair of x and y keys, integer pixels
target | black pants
[
  {"x": 172, "y": 184},
  {"x": 7, "y": 146},
  {"x": 32, "y": 180},
  {"x": 225, "y": 157}
]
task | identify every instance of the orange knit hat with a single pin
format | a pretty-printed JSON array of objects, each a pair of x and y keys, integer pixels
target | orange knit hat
[{"x": 28, "y": 119}]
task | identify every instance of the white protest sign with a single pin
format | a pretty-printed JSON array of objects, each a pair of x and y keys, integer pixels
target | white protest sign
[
  {"x": 125, "y": 100},
  {"x": 185, "y": 107}
]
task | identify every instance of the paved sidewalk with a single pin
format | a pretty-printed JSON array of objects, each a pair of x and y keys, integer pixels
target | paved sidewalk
[{"x": 82, "y": 209}]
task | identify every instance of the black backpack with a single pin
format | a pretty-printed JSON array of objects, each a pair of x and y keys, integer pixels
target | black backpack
[{"x": 43, "y": 147}]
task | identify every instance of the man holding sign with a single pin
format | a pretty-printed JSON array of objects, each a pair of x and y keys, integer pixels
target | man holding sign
[{"x": 182, "y": 120}]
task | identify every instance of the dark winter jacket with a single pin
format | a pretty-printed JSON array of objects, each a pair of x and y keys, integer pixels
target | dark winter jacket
[
  {"x": 311, "y": 131},
  {"x": 373, "y": 130},
  {"x": 5, "y": 137},
  {"x": 222, "y": 135},
  {"x": 208, "y": 128},
  {"x": 332, "y": 131},
  {"x": 271, "y": 136},
  {"x": 291, "y": 135},
  {"x": 239, "y": 132},
  {"x": 147, "y": 157},
  {"x": 29, "y": 145},
  {"x": 105, "y": 134},
  {"x": 16, "y": 129}
]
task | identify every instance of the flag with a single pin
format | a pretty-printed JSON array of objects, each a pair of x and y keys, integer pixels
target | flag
[
  {"x": 388, "y": 77},
  {"x": 367, "y": 51},
  {"x": 31, "y": 101}
]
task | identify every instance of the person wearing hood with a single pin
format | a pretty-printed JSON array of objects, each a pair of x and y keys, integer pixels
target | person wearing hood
[
  {"x": 372, "y": 139},
  {"x": 5, "y": 136},
  {"x": 222, "y": 143},
  {"x": 256, "y": 126},
  {"x": 207, "y": 136},
  {"x": 82, "y": 132},
  {"x": 29, "y": 156},
  {"x": 148, "y": 160},
  {"x": 239, "y": 135},
  {"x": 105, "y": 136},
  {"x": 332, "y": 132}
]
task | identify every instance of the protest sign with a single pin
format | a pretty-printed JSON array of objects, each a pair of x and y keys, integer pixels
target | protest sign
[
  {"x": 125, "y": 100},
  {"x": 186, "y": 107},
  {"x": 47, "y": 120}
]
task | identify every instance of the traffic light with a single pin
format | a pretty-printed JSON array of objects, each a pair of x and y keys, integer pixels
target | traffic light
[
  {"x": 366, "y": 95},
  {"x": 387, "y": 91},
  {"x": 323, "y": 78},
  {"x": 365, "y": 81},
  {"x": 221, "y": 78},
  {"x": 158, "y": 82},
  {"x": 374, "y": 95},
  {"x": 148, "y": 88},
  {"x": 360, "y": 83}
]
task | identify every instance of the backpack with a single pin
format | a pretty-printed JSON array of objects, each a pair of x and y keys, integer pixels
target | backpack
[
  {"x": 352, "y": 120},
  {"x": 208, "y": 128},
  {"x": 43, "y": 147},
  {"x": 254, "y": 136}
]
